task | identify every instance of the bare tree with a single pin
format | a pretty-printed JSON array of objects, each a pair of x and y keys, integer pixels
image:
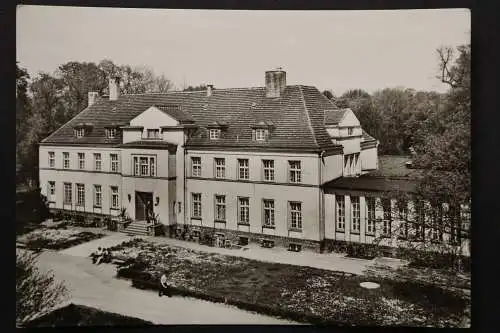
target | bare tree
[{"x": 36, "y": 293}]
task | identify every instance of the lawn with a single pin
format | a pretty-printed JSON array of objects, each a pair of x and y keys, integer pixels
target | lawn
[
  {"x": 79, "y": 315},
  {"x": 299, "y": 293},
  {"x": 56, "y": 238}
]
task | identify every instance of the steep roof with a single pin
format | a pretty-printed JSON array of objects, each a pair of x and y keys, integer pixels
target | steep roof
[
  {"x": 297, "y": 116},
  {"x": 333, "y": 117}
]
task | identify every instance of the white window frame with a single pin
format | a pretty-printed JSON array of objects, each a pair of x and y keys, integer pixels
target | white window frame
[
  {"x": 115, "y": 194},
  {"x": 196, "y": 205},
  {"x": 340, "y": 212},
  {"x": 51, "y": 190},
  {"x": 67, "y": 193},
  {"x": 214, "y": 133},
  {"x": 220, "y": 167},
  {"x": 268, "y": 170},
  {"x": 243, "y": 168},
  {"x": 97, "y": 196},
  {"x": 402, "y": 209},
  {"x": 260, "y": 134},
  {"x": 114, "y": 163},
  {"x": 355, "y": 214},
  {"x": 350, "y": 131},
  {"x": 295, "y": 215},
  {"x": 387, "y": 220},
  {"x": 196, "y": 166},
  {"x": 244, "y": 210},
  {"x": 66, "y": 160},
  {"x": 52, "y": 159},
  {"x": 80, "y": 132},
  {"x": 97, "y": 161},
  {"x": 81, "y": 161},
  {"x": 111, "y": 133},
  {"x": 220, "y": 207},
  {"x": 153, "y": 133},
  {"x": 370, "y": 215},
  {"x": 80, "y": 195},
  {"x": 295, "y": 171},
  {"x": 268, "y": 220}
]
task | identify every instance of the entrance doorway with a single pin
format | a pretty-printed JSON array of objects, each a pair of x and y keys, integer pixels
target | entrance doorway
[{"x": 143, "y": 201}]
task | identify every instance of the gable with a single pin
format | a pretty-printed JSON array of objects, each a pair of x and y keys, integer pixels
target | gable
[
  {"x": 153, "y": 118},
  {"x": 349, "y": 119}
]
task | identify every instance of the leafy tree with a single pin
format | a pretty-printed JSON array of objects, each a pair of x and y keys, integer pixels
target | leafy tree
[
  {"x": 36, "y": 293},
  {"x": 196, "y": 88},
  {"x": 22, "y": 101}
]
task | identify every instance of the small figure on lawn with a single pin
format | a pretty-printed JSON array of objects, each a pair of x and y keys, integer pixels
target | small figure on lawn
[
  {"x": 164, "y": 288},
  {"x": 97, "y": 256}
]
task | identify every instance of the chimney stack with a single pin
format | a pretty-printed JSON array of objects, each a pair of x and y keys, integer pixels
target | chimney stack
[
  {"x": 114, "y": 88},
  {"x": 92, "y": 97},
  {"x": 275, "y": 82},
  {"x": 210, "y": 87}
]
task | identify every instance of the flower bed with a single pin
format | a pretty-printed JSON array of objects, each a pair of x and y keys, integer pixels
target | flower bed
[
  {"x": 56, "y": 238},
  {"x": 299, "y": 293}
]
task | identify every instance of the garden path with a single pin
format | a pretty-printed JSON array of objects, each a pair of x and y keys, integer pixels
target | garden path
[
  {"x": 85, "y": 249},
  {"x": 97, "y": 287}
]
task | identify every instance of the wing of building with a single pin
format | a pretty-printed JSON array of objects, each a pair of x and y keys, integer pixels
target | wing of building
[{"x": 245, "y": 163}]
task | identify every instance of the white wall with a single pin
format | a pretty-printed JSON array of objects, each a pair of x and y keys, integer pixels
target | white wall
[
  {"x": 369, "y": 159},
  {"x": 332, "y": 167}
]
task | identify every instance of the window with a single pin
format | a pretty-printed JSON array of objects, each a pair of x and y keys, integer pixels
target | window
[
  {"x": 260, "y": 134},
  {"x": 437, "y": 218},
  {"x": 52, "y": 159},
  {"x": 97, "y": 162},
  {"x": 97, "y": 196},
  {"x": 355, "y": 209},
  {"x": 419, "y": 225},
  {"x": 66, "y": 160},
  {"x": 346, "y": 164},
  {"x": 243, "y": 171},
  {"x": 295, "y": 171},
  {"x": 144, "y": 166},
  {"x": 295, "y": 215},
  {"x": 452, "y": 219},
  {"x": 51, "y": 190},
  {"x": 268, "y": 213},
  {"x": 220, "y": 168},
  {"x": 81, "y": 161},
  {"x": 387, "y": 223},
  {"x": 370, "y": 215},
  {"x": 111, "y": 132},
  {"x": 214, "y": 134},
  {"x": 114, "y": 162},
  {"x": 196, "y": 166},
  {"x": 244, "y": 210},
  {"x": 152, "y": 166},
  {"x": 80, "y": 194},
  {"x": 403, "y": 217},
  {"x": 80, "y": 132},
  {"x": 340, "y": 202},
  {"x": 153, "y": 133},
  {"x": 114, "y": 197},
  {"x": 350, "y": 131},
  {"x": 268, "y": 170},
  {"x": 68, "y": 194},
  {"x": 220, "y": 207},
  {"x": 196, "y": 204}
]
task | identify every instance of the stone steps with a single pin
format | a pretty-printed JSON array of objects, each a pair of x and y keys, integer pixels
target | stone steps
[{"x": 137, "y": 228}]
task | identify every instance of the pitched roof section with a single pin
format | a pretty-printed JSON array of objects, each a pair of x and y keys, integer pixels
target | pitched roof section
[
  {"x": 367, "y": 137},
  {"x": 333, "y": 117},
  {"x": 240, "y": 108}
]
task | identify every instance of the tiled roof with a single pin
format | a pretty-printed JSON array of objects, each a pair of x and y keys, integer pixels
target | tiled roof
[
  {"x": 148, "y": 144},
  {"x": 333, "y": 117},
  {"x": 367, "y": 137},
  {"x": 298, "y": 117},
  {"x": 175, "y": 111}
]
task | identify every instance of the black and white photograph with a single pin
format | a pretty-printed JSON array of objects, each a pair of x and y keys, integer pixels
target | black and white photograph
[{"x": 243, "y": 167}]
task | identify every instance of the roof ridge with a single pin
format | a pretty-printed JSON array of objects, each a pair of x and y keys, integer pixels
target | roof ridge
[{"x": 307, "y": 115}]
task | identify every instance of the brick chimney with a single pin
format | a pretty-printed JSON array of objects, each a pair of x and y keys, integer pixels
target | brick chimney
[
  {"x": 210, "y": 87},
  {"x": 114, "y": 88},
  {"x": 275, "y": 82},
  {"x": 92, "y": 97}
]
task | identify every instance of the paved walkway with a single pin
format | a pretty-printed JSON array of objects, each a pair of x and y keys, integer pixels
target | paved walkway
[{"x": 97, "y": 287}]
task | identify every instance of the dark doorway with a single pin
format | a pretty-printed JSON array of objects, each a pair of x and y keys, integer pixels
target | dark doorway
[{"x": 143, "y": 200}]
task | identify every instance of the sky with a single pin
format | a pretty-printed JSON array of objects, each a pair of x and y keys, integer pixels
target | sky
[{"x": 336, "y": 50}]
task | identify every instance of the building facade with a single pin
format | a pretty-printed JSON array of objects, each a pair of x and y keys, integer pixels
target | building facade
[{"x": 250, "y": 164}]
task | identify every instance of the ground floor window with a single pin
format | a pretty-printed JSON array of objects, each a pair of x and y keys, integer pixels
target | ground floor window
[
  {"x": 220, "y": 207},
  {"x": 268, "y": 213},
  {"x": 402, "y": 206},
  {"x": 244, "y": 210},
  {"x": 97, "y": 196},
  {"x": 68, "y": 194},
  {"x": 340, "y": 207},
  {"x": 196, "y": 204},
  {"x": 355, "y": 214},
  {"x": 114, "y": 197},
  {"x": 295, "y": 215},
  {"x": 51, "y": 188},
  {"x": 80, "y": 194},
  {"x": 387, "y": 222},
  {"x": 370, "y": 215}
]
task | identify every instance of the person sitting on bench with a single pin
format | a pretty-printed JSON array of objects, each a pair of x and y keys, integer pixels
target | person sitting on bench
[{"x": 164, "y": 288}]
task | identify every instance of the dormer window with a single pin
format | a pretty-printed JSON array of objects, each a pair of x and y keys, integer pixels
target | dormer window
[
  {"x": 80, "y": 132},
  {"x": 350, "y": 131},
  {"x": 111, "y": 133},
  {"x": 260, "y": 134},
  {"x": 214, "y": 133},
  {"x": 153, "y": 133}
]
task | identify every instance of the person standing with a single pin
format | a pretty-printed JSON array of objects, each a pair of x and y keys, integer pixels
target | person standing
[{"x": 164, "y": 288}]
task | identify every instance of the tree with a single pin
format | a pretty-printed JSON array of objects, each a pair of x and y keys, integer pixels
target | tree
[
  {"x": 22, "y": 101},
  {"x": 329, "y": 94},
  {"x": 196, "y": 88},
  {"x": 36, "y": 292}
]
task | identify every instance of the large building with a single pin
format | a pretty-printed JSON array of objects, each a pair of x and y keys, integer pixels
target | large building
[{"x": 266, "y": 163}]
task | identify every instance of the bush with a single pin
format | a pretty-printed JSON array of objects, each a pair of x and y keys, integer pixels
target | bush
[
  {"x": 58, "y": 216},
  {"x": 362, "y": 251},
  {"x": 112, "y": 225},
  {"x": 31, "y": 207}
]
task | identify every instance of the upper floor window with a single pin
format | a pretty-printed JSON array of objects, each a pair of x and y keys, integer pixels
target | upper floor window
[
  {"x": 111, "y": 132},
  {"x": 114, "y": 162},
  {"x": 66, "y": 160},
  {"x": 144, "y": 166},
  {"x": 81, "y": 161},
  {"x": 350, "y": 131},
  {"x": 295, "y": 171},
  {"x": 220, "y": 168},
  {"x": 80, "y": 132},
  {"x": 52, "y": 159},
  {"x": 97, "y": 161},
  {"x": 370, "y": 215},
  {"x": 295, "y": 209},
  {"x": 340, "y": 203},
  {"x": 355, "y": 208},
  {"x": 153, "y": 133},
  {"x": 196, "y": 166},
  {"x": 214, "y": 133},
  {"x": 260, "y": 134},
  {"x": 268, "y": 166},
  {"x": 243, "y": 171}
]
